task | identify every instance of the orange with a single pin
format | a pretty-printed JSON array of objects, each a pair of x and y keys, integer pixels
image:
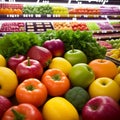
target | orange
[{"x": 103, "y": 68}]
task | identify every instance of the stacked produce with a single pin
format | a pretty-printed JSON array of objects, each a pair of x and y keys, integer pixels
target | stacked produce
[
  {"x": 109, "y": 10},
  {"x": 84, "y": 10},
  {"x": 48, "y": 76},
  {"x": 11, "y": 9},
  {"x": 38, "y": 9},
  {"x": 114, "y": 53},
  {"x": 93, "y": 26},
  {"x": 12, "y": 27},
  {"x": 105, "y": 26},
  {"x": 57, "y": 10},
  {"x": 114, "y": 42},
  {"x": 116, "y": 25}
]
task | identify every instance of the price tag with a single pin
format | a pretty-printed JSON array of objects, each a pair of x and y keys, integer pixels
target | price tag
[{"x": 48, "y": 15}]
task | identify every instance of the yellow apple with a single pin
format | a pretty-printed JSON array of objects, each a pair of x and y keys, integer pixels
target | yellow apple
[{"x": 104, "y": 86}]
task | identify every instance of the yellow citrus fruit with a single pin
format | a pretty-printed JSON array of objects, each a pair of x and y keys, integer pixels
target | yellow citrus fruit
[
  {"x": 61, "y": 63},
  {"x": 2, "y": 61},
  {"x": 8, "y": 82},
  {"x": 117, "y": 79},
  {"x": 58, "y": 108}
]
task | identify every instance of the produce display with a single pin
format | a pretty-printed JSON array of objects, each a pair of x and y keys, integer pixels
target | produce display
[
  {"x": 12, "y": 27},
  {"x": 11, "y": 9},
  {"x": 39, "y": 27},
  {"x": 105, "y": 26},
  {"x": 21, "y": 42},
  {"x": 114, "y": 42},
  {"x": 84, "y": 10},
  {"x": 93, "y": 26},
  {"x": 55, "y": 70},
  {"x": 114, "y": 53},
  {"x": 37, "y": 9},
  {"x": 116, "y": 25},
  {"x": 42, "y": 82},
  {"x": 57, "y": 10}
]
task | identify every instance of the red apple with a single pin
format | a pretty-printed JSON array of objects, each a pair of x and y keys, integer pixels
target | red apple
[
  {"x": 29, "y": 68},
  {"x": 5, "y": 103},
  {"x": 101, "y": 108},
  {"x": 14, "y": 61},
  {"x": 56, "y": 46},
  {"x": 42, "y": 54}
]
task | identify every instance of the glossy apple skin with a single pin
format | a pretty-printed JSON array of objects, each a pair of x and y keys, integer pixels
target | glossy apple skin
[
  {"x": 14, "y": 61},
  {"x": 56, "y": 46},
  {"x": 101, "y": 108},
  {"x": 25, "y": 71},
  {"x": 81, "y": 75},
  {"x": 42, "y": 54},
  {"x": 75, "y": 56},
  {"x": 104, "y": 86},
  {"x": 5, "y": 103}
]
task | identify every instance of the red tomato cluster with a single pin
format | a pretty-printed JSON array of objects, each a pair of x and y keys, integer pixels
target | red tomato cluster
[
  {"x": 84, "y": 11},
  {"x": 79, "y": 26}
]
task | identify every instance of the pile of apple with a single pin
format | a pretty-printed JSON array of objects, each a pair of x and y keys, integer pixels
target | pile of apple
[
  {"x": 38, "y": 82},
  {"x": 12, "y": 27}
]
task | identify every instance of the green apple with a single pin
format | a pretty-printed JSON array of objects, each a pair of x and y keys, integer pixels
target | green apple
[
  {"x": 81, "y": 75},
  {"x": 75, "y": 56}
]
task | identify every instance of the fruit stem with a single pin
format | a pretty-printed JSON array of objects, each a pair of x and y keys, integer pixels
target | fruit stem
[
  {"x": 56, "y": 77},
  {"x": 28, "y": 58},
  {"x": 17, "y": 55},
  {"x": 17, "y": 115},
  {"x": 30, "y": 87},
  {"x": 72, "y": 48}
]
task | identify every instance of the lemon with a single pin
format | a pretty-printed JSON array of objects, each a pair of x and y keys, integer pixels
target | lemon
[
  {"x": 61, "y": 63},
  {"x": 58, "y": 108},
  {"x": 117, "y": 79},
  {"x": 2, "y": 61}
]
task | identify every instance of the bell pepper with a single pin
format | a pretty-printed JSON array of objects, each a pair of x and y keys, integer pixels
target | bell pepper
[
  {"x": 23, "y": 111},
  {"x": 56, "y": 81}
]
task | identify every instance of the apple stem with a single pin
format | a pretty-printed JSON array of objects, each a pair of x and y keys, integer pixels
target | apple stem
[
  {"x": 28, "y": 58},
  {"x": 17, "y": 55},
  {"x": 72, "y": 48}
]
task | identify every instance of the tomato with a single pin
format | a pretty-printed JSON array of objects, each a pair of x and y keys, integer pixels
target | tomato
[
  {"x": 56, "y": 82},
  {"x": 22, "y": 112},
  {"x": 31, "y": 91}
]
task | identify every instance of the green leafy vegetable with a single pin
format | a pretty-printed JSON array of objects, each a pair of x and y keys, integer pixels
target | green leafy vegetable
[
  {"x": 19, "y": 43},
  {"x": 82, "y": 40}
]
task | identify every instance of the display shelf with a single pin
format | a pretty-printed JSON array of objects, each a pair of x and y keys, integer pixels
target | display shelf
[
  {"x": 109, "y": 10},
  {"x": 117, "y": 62},
  {"x": 105, "y": 36}
]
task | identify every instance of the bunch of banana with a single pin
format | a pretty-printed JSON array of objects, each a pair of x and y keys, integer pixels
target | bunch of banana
[{"x": 114, "y": 53}]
